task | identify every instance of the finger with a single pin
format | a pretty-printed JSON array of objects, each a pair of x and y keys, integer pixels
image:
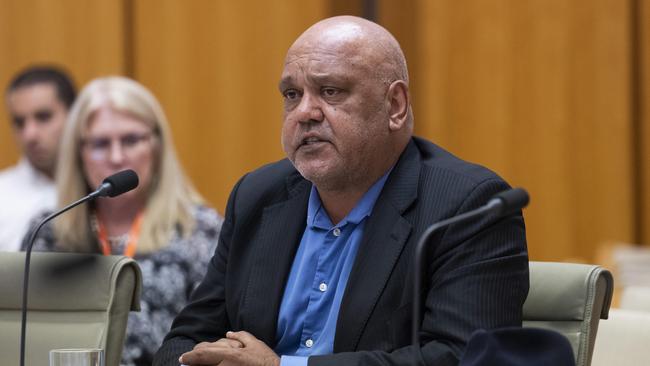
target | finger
[
  {"x": 223, "y": 342},
  {"x": 205, "y": 356},
  {"x": 232, "y": 343},
  {"x": 244, "y": 337},
  {"x": 202, "y": 345}
]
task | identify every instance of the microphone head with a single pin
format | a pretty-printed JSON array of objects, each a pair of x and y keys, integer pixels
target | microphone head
[
  {"x": 512, "y": 200},
  {"x": 118, "y": 183}
]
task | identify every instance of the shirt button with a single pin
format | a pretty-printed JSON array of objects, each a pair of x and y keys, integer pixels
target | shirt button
[
  {"x": 322, "y": 287},
  {"x": 309, "y": 343},
  {"x": 337, "y": 231}
]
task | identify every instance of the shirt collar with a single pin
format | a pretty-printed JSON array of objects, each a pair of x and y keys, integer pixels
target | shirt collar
[
  {"x": 318, "y": 218},
  {"x": 30, "y": 172}
]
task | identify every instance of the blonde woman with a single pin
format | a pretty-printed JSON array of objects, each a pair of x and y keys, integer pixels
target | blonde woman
[{"x": 118, "y": 124}]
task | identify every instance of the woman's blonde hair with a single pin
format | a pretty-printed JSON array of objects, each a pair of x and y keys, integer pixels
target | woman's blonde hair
[{"x": 171, "y": 196}]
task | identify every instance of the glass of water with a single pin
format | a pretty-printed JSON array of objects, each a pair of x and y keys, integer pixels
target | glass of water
[{"x": 77, "y": 357}]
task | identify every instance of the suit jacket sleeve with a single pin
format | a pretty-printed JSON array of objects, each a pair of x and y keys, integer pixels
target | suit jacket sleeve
[{"x": 204, "y": 318}]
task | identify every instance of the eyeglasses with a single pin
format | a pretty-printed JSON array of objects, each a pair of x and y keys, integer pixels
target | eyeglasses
[{"x": 100, "y": 147}]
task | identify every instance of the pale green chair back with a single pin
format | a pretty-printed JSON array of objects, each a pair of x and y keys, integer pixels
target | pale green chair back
[
  {"x": 75, "y": 301},
  {"x": 570, "y": 299}
]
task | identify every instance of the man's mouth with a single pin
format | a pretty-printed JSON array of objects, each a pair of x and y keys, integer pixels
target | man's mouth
[
  {"x": 35, "y": 151},
  {"x": 311, "y": 140}
]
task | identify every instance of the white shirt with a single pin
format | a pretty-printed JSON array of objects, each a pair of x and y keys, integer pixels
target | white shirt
[{"x": 24, "y": 193}]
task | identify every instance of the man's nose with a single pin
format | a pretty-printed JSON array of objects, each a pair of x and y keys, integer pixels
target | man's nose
[
  {"x": 310, "y": 109},
  {"x": 29, "y": 132}
]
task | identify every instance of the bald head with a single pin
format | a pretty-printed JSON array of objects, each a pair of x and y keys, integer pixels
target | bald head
[
  {"x": 347, "y": 115},
  {"x": 364, "y": 43}
]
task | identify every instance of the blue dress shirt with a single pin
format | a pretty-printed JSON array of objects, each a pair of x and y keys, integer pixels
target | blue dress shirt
[{"x": 319, "y": 274}]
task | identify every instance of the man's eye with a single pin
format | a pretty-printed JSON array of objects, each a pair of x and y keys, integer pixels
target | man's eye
[
  {"x": 330, "y": 92},
  {"x": 291, "y": 94},
  {"x": 43, "y": 116},
  {"x": 19, "y": 122}
]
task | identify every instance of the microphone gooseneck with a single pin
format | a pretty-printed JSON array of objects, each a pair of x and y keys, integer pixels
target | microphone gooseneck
[
  {"x": 112, "y": 186},
  {"x": 502, "y": 204}
]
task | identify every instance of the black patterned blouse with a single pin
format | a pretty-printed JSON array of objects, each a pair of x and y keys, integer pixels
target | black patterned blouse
[{"x": 168, "y": 277}]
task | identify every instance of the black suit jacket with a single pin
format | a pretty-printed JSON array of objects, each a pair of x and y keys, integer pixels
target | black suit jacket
[{"x": 477, "y": 271}]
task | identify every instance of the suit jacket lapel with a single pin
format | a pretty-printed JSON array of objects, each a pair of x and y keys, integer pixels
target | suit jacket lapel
[
  {"x": 281, "y": 228},
  {"x": 386, "y": 233}
]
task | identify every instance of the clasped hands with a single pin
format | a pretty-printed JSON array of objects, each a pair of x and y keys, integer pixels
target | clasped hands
[{"x": 237, "y": 349}]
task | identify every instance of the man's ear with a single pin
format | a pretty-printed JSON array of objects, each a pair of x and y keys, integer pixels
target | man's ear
[{"x": 398, "y": 97}]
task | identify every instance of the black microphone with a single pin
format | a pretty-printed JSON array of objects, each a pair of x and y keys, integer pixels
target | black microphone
[
  {"x": 502, "y": 204},
  {"x": 117, "y": 184},
  {"x": 112, "y": 186}
]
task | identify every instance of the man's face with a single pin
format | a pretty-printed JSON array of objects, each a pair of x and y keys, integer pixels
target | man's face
[
  {"x": 38, "y": 117},
  {"x": 335, "y": 115}
]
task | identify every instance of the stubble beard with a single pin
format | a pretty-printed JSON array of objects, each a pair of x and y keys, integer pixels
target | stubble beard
[
  {"x": 332, "y": 179},
  {"x": 46, "y": 165}
]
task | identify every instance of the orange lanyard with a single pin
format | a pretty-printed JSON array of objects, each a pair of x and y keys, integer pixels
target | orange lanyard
[{"x": 134, "y": 234}]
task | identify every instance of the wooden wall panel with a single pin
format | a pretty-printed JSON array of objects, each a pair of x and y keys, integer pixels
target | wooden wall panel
[
  {"x": 539, "y": 91},
  {"x": 215, "y": 66},
  {"x": 86, "y": 37},
  {"x": 542, "y": 91}
]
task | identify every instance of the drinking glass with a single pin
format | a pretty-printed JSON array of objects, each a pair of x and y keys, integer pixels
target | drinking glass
[{"x": 77, "y": 357}]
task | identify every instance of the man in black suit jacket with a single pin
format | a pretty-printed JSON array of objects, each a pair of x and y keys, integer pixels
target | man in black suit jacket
[{"x": 348, "y": 124}]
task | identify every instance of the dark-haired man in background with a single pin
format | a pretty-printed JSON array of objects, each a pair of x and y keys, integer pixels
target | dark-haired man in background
[{"x": 38, "y": 100}]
